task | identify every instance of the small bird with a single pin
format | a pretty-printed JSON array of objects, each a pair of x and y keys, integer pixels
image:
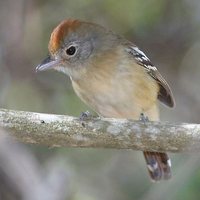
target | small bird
[{"x": 111, "y": 75}]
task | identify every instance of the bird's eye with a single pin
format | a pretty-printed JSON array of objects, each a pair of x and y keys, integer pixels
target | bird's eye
[{"x": 71, "y": 50}]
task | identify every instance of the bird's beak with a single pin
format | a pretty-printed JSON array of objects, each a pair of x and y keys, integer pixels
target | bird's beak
[{"x": 48, "y": 63}]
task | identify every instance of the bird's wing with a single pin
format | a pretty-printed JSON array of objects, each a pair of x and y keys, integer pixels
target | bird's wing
[{"x": 165, "y": 94}]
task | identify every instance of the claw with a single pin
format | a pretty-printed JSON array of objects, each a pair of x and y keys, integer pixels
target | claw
[
  {"x": 143, "y": 118},
  {"x": 85, "y": 116}
]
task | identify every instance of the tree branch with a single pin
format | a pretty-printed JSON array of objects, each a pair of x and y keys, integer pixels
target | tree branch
[{"x": 66, "y": 131}]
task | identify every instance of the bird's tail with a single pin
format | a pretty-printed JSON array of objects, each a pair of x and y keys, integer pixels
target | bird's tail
[{"x": 159, "y": 165}]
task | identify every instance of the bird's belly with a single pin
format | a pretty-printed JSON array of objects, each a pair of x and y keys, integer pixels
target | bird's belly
[
  {"x": 116, "y": 108},
  {"x": 119, "y": 99},
  {"x": 116, "y": 103}
]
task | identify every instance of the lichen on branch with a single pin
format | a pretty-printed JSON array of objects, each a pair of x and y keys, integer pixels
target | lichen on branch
[{"x": 67, "y": 131}]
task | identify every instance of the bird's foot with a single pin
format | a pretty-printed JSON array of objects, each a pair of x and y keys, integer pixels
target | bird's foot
[
  {"x": 143, "y": 118},
  {"x": 84, "y": 116}
]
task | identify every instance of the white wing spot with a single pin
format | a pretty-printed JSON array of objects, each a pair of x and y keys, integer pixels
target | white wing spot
[
  {"x": 140, "y": 52},
  {"x": 169, "y": 162},
  {"x": 141, "y": 58}
]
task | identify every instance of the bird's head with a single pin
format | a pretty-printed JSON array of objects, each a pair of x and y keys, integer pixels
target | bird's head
[{"x": 73, "y": 44}]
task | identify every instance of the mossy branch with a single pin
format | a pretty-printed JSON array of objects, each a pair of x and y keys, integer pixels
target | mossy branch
[{"x": 66, "y": 131}]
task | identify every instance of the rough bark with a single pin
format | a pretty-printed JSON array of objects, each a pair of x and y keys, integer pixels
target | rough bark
[{"x": 66, "y": 131}]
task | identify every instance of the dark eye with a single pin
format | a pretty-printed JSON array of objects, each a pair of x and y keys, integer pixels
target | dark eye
[{"x": 71, "y": 50}]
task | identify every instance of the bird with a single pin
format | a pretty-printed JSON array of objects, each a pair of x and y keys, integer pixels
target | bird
[{"x": 112, "y": 76}]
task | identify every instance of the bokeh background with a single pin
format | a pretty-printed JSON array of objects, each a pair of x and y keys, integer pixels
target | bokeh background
[{"x": 168, "y": 31}]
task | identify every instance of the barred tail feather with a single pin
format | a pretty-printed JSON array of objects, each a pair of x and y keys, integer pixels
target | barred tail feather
[{"x": 159, "y": 165}]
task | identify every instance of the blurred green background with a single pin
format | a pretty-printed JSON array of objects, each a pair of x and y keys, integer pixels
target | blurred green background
[{"x": 168, "y": 31}]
